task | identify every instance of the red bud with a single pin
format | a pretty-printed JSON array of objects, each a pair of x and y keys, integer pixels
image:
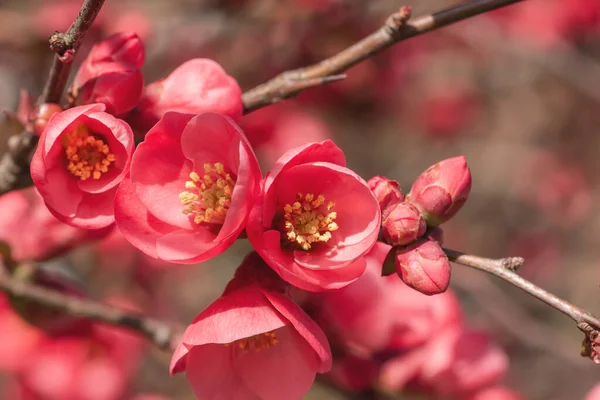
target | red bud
[
  {"x": 403, "y": 225},
  {"x": 42, "y": 115},
  {"x": 111, "y": 74},
  {"x": 386, "y": 191},
  {"x": 442, "y": 190},
  {"x": 424, "y": 266}
]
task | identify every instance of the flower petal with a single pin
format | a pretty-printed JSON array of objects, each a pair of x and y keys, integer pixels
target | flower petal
[
  {"x": 159, "y": 170},
  {"x": 284, "y": 371},
  {"x": 305, "y": 326}
]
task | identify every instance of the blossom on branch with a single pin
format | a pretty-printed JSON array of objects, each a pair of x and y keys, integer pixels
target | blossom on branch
[
  {"x": 196, "y": 86},
  {"x": 315, "y": 219},
  {"x": 191, "y": 186},
  {"x": 111, "y": 74},
  {"x": 252, "y": 343},
  {"x": 82, "y": 156}
]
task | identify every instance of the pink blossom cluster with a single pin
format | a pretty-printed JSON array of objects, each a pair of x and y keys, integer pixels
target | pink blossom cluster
[
  {"x": 167, "y": 164},
  {"x": 392, "y": 337}
]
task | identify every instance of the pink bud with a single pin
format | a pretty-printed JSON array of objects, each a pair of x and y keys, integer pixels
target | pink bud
[
  {"x": 386, "y": 191},
  {"x": 424, "y": 266},
  {"x": 125, "y": 47},
  {"x": 195, "y": 87},
  {"x": 111, "y": 74},
  {"x": 42, "y": 115},
  {"x": 442, "y": 190},
  {"x": 403, "y": 225}
]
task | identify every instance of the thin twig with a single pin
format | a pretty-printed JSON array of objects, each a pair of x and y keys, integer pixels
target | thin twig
[
  {"x": 504, "y": 269},
  {"x": 160, "y": 333},
  {"x": 397, "y": 28},
  {"x": 14, "y": 164}
]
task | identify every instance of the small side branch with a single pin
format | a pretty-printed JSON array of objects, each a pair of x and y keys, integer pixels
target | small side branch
[
  {"x": 397, "y": 28},
  {"x": 158, "y": 332},
  {"x": 504, "y": 268}
]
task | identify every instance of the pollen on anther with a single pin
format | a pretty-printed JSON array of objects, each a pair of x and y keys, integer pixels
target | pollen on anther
[
  {"x": 208, "y": 197},
  {"x": 257, "y": 342},
  {"x": 307, "y": 220},
  {"x": 87, "y": 155}
]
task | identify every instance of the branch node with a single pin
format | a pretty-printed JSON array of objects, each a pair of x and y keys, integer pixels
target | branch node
[
  {"x": 59, "y": 43},
  {"x": 512, "y": 263},
  {"x": 398, "y": 20}
]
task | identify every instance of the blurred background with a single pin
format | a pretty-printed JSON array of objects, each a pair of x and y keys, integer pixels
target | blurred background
[{"x": 517, "y": 91}]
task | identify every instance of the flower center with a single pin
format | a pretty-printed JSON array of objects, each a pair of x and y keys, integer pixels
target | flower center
[
  {"x": 308, "y": 220},
  {"x": 257, "y": 342},
  {"x": 209, "y": 196},
  {"x": 87, "y": 155}
]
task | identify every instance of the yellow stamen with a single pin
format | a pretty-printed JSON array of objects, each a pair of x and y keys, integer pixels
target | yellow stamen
[
  {"x": 87, "y": 155},
  {"x": 208, "y": 197},
  {"x": 257, "y": 342},
  {"x": 308, "y": 220}
]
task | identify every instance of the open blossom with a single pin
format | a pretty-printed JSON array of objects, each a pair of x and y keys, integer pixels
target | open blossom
[
  {"x": 315, "y": 219},
  {"x": 196, "y": 86},
  {"x": 441, "y": 191},
  {"x": 111, "y": 74},
  {"x": 191, "y": 186},
  {"x": 82, "y": 156},
  {"x": 33, "y": 233},
  {"x": 252, "y": 343},
  {"x": 463, "y": 362}
]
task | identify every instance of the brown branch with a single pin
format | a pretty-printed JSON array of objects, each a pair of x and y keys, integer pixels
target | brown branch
[
  {"x": 160, "y": 333},
  {"x": 397, "y": 28},
  {"x": 504, "y": 268},
  {"x": 14, "y": 164}
]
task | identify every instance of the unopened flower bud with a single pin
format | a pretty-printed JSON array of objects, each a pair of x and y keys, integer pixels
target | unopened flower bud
[
  {"x": 403, "y": 225},
  {"x": 42, "y": 115},
  {"x": 442, "y": 190},
  {"x": 386, "y": 191},
  {"x": 424, "y": 267},
  {"x": 111, "y": 74}
]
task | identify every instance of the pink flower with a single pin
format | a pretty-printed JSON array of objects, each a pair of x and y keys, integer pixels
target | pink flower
[
  {"x": 192, "y": 183},
  {"x": 440, "y": 191},
  {"x": 375, "y": 314},
  {"x": 315, "y": 219},
  {"x": 462, "y": 362},
  {"x": 424, "y": 267},
  {"x": 111, "y": 74},
  {"x": 360, "y": 313},
  {"x": 196, "y": 86},
  {"x": 386, "y": 191},
  {"x": 252, "y": 343},
  {"x": 403, "y": 224},
  {"x": 20, "y": 340},
  {"x": 82, "y": 155},
  {"x": 33, "y": 233},
  {"x": 71, "y": 368}
]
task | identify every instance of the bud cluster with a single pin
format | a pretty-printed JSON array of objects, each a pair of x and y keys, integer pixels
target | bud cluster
[{"x": 411, "y": 223}]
